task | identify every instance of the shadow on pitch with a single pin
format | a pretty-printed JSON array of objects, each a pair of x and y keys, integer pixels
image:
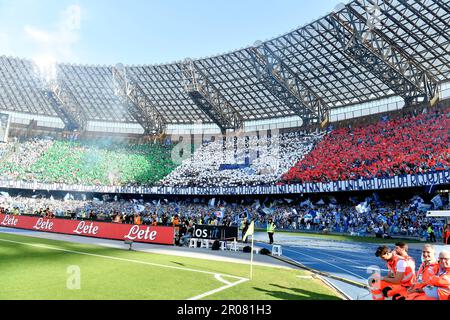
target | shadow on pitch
[
  {"x": 21, "y": 253},
  {"x": 296, "y": 294}
]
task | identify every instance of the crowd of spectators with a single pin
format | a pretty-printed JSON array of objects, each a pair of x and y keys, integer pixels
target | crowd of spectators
[
  {"x": 53, "y": 161},
  {"x": 383, "y": 219},
  {"x": 268, "y": 158},
  {"x": 409, "y": 145},
  {"x": 16, "y": 158}
]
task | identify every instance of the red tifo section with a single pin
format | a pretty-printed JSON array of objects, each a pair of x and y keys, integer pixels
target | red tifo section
[{"x": 402, "y": 146}]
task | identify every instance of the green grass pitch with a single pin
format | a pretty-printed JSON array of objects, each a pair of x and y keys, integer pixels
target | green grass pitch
[{"x": 34, "y": 268}]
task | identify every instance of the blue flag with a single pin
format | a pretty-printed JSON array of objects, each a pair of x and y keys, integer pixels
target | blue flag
[
  {"x": 437, "y": 202},
  {"x": 247, "y": 214}
]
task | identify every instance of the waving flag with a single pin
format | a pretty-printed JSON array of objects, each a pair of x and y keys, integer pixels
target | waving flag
[
  {"x": 247, "y": 214},
  {"x": 139, "y": 208},
  {"x": 5, "y": 194},
  {"x": 250, "y": 231},
  {"x": 437, "y": 202},
  {"x": 363, "y": 207},
  {"x": 306, "y": 203},
  {"x": 320, "y": 202}
]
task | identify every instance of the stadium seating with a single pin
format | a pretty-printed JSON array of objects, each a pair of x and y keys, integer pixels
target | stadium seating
[
  {"x": 402, "y": 146},
  {"x": 409, "y": 145},
  {"x": 45, "y": 160},
  {"x": 266, "y": 160}
]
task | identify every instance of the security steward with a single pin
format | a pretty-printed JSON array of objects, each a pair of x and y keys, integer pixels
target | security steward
[{"x": 270, "y": 229}]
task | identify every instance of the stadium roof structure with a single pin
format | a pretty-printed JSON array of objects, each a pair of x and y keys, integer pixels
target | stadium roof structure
[{"x": 365, "y": 50}]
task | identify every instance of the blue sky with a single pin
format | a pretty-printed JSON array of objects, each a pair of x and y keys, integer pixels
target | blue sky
[{"x": 145, "y": 31}]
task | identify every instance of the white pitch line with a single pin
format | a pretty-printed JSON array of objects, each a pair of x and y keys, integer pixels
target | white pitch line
[
  {"x": 218, "y": 289},
  {"x": 219, "y": 278},
  {"x": 120, "y": 259}
]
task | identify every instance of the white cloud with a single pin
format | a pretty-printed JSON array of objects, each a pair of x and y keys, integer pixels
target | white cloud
[
  {"x": 39, "y": 36},
  {"x": 60, "y": 42}
]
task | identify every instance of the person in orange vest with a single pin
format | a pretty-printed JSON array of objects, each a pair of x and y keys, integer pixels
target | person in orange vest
[
  {"x": 401, "y": 249},
  {"x": 397, "y": 290},
  {"x": 154, "y": 220},
  {"x": 175, "y": 223},
  {"x": 428, "y": 269},
  {"x": 437, "y": 286},
  {"x": 137, "y": 219},
  {"x": 399, "y": 279},
  {"x": 447, "y": 235}
]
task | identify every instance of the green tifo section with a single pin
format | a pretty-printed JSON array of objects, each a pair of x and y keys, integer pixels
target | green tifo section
[
  {"x": 30, "y": 272},
  {"x": 76, "y": 163}
]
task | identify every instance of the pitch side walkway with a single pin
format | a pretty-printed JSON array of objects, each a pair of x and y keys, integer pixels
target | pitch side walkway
[{"x": 347, "y": 260}]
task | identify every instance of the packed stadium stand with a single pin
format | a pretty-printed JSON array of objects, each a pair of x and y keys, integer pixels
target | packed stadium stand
[
  {"x": 399, "y": 146},
  {"x": 279, "y": 103},
  {"x": 250, "y": 160},
  {"x": 48, "y": 160},
  {"x": 402, "y": 146}
]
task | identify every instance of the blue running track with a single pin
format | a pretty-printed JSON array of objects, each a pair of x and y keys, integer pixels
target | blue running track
[{"x": 347, "y": 260}]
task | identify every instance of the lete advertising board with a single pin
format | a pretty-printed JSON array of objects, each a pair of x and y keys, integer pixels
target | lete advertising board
[{"x": 138, "y": 233}]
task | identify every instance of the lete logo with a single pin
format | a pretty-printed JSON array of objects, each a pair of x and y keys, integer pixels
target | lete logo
[
  {"x": 141, "y": 234},
  {"x": 84, "y": 228},
  {"x": 42, "y": 224},
  {"x": 9, "y": 221}
]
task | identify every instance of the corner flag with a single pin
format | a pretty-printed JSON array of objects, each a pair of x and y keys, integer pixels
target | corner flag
[{"x": 250, "y": 231}]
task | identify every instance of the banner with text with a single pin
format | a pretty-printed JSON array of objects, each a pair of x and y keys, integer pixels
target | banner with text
[
  {"x": 115, "y": 231},
  {"x": 404, "y": 181},
  {"x": 214, "y": 232}
]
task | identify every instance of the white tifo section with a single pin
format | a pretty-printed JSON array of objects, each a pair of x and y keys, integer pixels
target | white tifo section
[
  {"x": 270, "y": 157},
  {"x": 217, "y": 276}
]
